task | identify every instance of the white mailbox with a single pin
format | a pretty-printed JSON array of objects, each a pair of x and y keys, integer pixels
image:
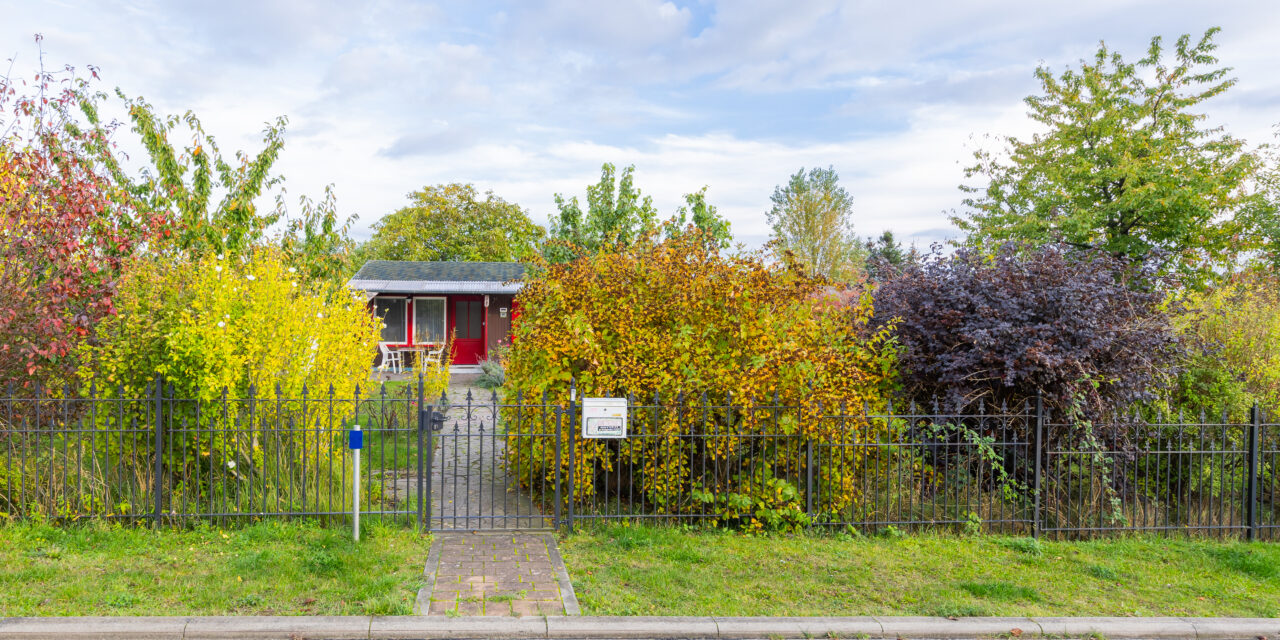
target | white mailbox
[{"x": 604, "y": 417}]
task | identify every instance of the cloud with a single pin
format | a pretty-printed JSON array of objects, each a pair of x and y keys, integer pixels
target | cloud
[{"x": 529, "y": 98}]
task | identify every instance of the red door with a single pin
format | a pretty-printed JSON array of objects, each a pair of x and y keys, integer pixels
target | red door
[{"x": 466, "y": 324}]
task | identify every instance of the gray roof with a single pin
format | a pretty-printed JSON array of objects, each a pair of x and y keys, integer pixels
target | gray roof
[{"x": 397, "y": 276}]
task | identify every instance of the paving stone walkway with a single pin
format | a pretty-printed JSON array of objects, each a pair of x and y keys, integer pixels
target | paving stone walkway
[{"x": 496, "y": 574}]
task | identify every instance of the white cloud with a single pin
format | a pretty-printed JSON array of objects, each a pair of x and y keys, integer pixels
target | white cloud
[{"x": 530, "y": 98}]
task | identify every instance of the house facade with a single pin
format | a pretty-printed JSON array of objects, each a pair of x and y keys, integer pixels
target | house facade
[{"x": 424, "y": 304}]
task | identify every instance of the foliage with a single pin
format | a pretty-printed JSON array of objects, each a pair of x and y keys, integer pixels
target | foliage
[
  {"x": 885, "y": 257},
  {"x": 210, "y": 198},
  {"x": 618, "y": 215},
  {"x": 64, "y": 234},
  {"x": 1086, "y": 329},
  {"x": 1233, "y": 335},
  {"x": 249, "y": 329},
  {"x": 812, "y": 219},
  {"x": 1126, "y": 165},
  {"x": 315, "y": 243},
  {"x": 1264, "y": 215},
  {"x": 676, "y": 318},
  {"x": 450, "y": 222},
  {"x": 763, "y": 502},
  {"x": 703, "y": 218},
  {"x": 493, "y": 373},
  {"x": 232, "y": 323}
]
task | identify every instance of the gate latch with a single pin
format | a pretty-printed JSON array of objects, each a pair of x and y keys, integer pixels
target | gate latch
[{"x": 433, "y": 418}]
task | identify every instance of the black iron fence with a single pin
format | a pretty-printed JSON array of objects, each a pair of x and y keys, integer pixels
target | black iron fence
[{"x": 481, "y": 462}]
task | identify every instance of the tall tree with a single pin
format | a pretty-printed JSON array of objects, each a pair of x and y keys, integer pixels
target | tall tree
[
  {"x": 703, "y": 217},
  {"x": 885, "y": 256},
  {"x": 812, "y": 219},
  {"x": 211, "y": 199},
  {"x": 452, "y": 222},
  {"x": 618, "y": 214},
  {"x": 1126, "y": 165}
]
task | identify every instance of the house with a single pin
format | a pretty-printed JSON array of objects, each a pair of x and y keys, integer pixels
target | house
[{"x": 423, "y": 304}]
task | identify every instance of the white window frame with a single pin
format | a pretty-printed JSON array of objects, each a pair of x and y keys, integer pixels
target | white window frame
[
  {"x": 404, "y": 338},
  {"x": 444, "y": 318}
]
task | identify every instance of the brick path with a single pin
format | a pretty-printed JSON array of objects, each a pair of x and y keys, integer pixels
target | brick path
[{"x": 509, "y": 574}]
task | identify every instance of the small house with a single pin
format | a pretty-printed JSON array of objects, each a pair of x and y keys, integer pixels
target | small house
[{"x": 425, "y": 304}]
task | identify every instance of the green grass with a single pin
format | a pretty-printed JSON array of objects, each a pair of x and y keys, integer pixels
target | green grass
[
  {"x": 634, "y": 570},
  {"x": 264, "y": 569}
]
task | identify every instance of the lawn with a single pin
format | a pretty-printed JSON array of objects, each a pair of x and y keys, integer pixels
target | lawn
[
  {"x": 664, "y": 571},
  {"x": 263, "y": 569}
]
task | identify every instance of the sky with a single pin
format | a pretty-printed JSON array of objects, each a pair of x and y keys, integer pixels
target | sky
[{"x": 528, "y": 99}]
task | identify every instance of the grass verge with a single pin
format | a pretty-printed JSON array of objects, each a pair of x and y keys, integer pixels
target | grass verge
[
  {"x": 263, "y": 569},
  {"x": 630, "y": 570}
]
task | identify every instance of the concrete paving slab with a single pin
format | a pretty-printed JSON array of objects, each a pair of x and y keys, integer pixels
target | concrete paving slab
[
  {"x": 278, "y": 627},
  {"x": 152, "y": 628},
  {"x": 419, "y": 627},
  {"x": 1146, "y": 628},
  {"x": 631, "y": 627},
  {"x": 1225, "y": 628}
]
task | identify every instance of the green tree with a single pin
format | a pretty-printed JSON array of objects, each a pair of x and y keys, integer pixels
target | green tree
[
  {"x": 1126, "y": 165},
  {"x": 210, "y": 199},
  {"x": 451, "y": 222},
  {"x": 885, "y": 256},
  {"x": 703, "y": 217},
  {"x": 618, "y": 215},
  {"x": 812, "y": 219}
]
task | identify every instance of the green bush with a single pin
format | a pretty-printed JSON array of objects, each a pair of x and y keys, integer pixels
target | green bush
[{"x": 261, "y": 368}]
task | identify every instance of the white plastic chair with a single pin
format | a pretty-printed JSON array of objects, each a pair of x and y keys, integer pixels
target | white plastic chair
[{"x": 390, "y": 358}]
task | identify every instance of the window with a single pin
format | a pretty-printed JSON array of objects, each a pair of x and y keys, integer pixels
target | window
[
  {"x": 428, "y": 320},
  {"x": 468, "y": 318},
  {"x": 392, "y": 313}
]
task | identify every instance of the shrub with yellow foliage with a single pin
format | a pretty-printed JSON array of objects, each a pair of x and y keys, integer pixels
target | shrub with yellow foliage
[
  {"x": 683, "y": 322},
  {"x": 233, "y": 328}
]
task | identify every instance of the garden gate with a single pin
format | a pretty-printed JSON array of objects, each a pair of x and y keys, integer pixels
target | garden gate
[{"x": 464, "y": 474}]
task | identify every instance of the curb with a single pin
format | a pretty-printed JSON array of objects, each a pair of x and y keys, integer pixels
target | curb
[
  {"x": 419, "y": 627},
  {"x": 422, "y": 603}
]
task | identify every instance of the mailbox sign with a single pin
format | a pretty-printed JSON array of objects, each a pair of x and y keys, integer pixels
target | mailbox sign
[{"x": 604, "y": 417}]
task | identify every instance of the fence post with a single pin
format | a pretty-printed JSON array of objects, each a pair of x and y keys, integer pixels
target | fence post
[
  {"x": 573, "y": 399},
  {"x": 157, "y": 485},
  {"x": 424, "y": 422},
  {"x": 1251, "y": 507},
  {"x": 808, "y": 477},
  {"x": 1039, "y": 475},
  {"x": 558, "y": 506},
  {"x": 424, "y": 498}
]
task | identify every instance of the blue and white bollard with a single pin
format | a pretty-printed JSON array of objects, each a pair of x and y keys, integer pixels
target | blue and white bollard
[{"x": 355, "y": 441}]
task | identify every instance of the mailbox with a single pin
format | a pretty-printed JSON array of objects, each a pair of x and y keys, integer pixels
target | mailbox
[{"x": 604, "y": 417}]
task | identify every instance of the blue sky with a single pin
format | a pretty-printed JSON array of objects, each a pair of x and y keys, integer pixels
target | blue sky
[{"x": 529, "y": 98}]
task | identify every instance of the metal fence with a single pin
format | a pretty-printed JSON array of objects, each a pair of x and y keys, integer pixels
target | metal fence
[{"x": 476, "y": 462}]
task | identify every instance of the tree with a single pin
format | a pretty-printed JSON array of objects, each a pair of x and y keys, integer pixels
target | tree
[
  {"x": 618, "y": 215},
  {"x": 211, "y": 199},
  {"x": 703, "y": 217},
  {"x": 812, "y": 220},
  {"x": 1126, "y": 165},
  {"x": 65, "y": 236},
  {"x": 450, "y": 222},
  {"x": 884, "y": 257}
]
